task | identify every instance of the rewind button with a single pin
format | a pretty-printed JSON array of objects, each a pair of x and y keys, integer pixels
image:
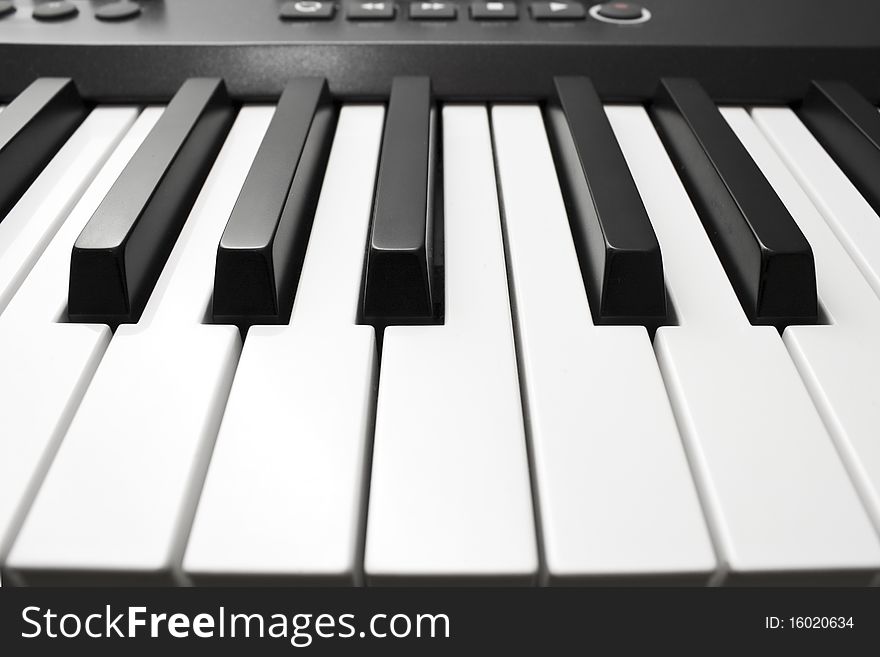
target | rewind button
[{"x": 365, "y": 11}]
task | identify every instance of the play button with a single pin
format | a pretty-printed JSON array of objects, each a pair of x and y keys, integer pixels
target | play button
[{"x": 556, "y": 11}]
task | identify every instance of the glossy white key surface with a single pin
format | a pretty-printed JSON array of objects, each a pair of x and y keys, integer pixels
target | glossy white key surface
[
  {"x": 284, "y": 496},
  {"x": 52, "y": 362},
  {"x": 616, "y": 498},
  {"x": 840, "y": 362},
  {"x": 117, "y": 502},
  {"x": 778, "y": 498},
  {"x": 32, "y": 223},
  {"x": 449, "y": 492},
  {"x": 848, "y": 214}
]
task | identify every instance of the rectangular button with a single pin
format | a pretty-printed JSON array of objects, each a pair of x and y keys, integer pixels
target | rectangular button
[
  {"x": 306, "y": 10},
  {"x": 848, "y": 127},
  {"x": 766, "y": 257},
  {"x": 400, "y": 281},
  {"x": 261, "y": 251},
  {"x": 557, "y": 11},
  {"x": 619, "y": 255},
  {"x": 370, "y": 11},
  {"x": 487, "y": 11},
  {"x": 120, "y": 253},
  {"x": 32, "y": 129},
  {"x": 424, "y": 11}
]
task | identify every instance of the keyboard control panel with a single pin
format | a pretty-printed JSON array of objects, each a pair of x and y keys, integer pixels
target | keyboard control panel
[{"x": 142, "y": 50}]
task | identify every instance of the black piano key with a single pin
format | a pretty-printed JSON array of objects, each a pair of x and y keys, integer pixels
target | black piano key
[
  {"x": 399, "y": 281},
  {"x": 618, "y": 251},
  {"x": 261, "y": 252},
  {"x": 848, "y": 127},
  {"x": 121, "y": 251},
  {"x": 767, "y": 259},
  {"x": 32, "y": 129}
]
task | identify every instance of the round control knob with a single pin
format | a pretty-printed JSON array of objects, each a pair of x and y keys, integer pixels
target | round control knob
[
  {"x": 55, "y": 11},
  {"x": 620, "y": 11},
  {"x": 118, "y": 11}
]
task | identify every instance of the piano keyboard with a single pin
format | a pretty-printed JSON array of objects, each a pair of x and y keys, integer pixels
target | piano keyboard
[{"x": 418, "y": 341}]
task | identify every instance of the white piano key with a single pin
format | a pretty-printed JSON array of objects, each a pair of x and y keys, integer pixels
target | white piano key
[
  {"x": 615, "y": 494},
  {"x": 117, "y": 502},
  {"x": 450, "y": 497},
  {"x": 778, "y": 498},
  {"x": 284, "y": 496},
  {"x": 840, "y": 362},
  {"x": 32, "y": 223},
  {"x": 847, "y": 212},
  {"x": 52, "y": 362}
]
